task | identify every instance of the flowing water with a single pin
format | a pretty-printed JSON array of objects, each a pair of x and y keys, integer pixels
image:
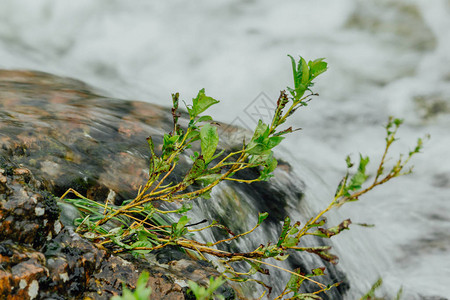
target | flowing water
[{"x": 386, "y": 57}]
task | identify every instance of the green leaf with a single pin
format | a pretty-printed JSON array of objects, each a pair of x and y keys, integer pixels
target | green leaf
[
  {"x": 318, "y": 271},
  {"x": 371, "y": 293},
  {"x": 284, "y": 230},
  {"x": 294, "y": 230},
  {"x": 179, "y": 229},
  {"x": 144, "y": 234},
  {"x": 261, "y": 158},
  {"x": 204, "y": 294},
  {"x": 192, "y": 136},
  {"x": 255, "y": 148},
  {"x": 295, "y": 282},
  {"x": 209, "y": 140},
  {"x": 270, "y": 166},
  {"x": 198, "y": 291},
  {"x": 169, "y": 143},
  {"x": 322, "y": 252},
  {"x": 327, "y": 233},
  {"x": 260, "y": 139},
  {"x": 301, "y": 78},
  {"x": 262, "y": 217},
  {"x": 399, "y": 294},
  {"x": 360, "y": 177},
  {"x": 317, "y": 223},
  {"x": 261, "y": 130},
  {"x": 182, "y": 222},
  {"x": 299, "y": 91},
  {"x": 208, "y": 179},
  {"x": 285, "y": 131},
  {"x": 146, "y": 244},
  {"x": 348, "y": 160},
  {"x": 204, "y": 118},
  {"x": 294, "y": 68},
  {"x": 197, "y": 169},
  {"x": 215, "y": 283},
  {"x": 303, "y": 66},
  {"x": 200, "y": 104},
  {"x": 290, "y": 242},
  {"x": 274, "y": 141},
  {"x": 363, "y": 163},
  {"x": 317, "y": 67}
]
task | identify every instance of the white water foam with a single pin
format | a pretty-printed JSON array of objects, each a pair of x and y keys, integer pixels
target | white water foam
[{"x": 386, "y": 58}]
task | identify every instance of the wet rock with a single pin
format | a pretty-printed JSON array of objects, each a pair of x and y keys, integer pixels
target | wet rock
[
  {"x": 50, "y": 143},
  {"x": 127, "y": 273},
  {"x": 27, "y": 216},
  {"x": 22, "y": 268},
  {"x": 57, "y": 133},
  {"x": 4, "y": 189},
  {"x": 41, "y": 259}
]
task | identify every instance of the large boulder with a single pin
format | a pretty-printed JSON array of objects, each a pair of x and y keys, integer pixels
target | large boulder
[{"x": 58, "y": 133}]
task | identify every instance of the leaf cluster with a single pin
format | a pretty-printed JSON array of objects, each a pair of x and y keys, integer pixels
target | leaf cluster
[
  {"x": 304, "y": 74},
  {"x": 202, "y": 293}
]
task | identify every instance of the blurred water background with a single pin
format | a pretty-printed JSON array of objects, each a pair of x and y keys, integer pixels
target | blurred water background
[{"x": 386, "y": 57}]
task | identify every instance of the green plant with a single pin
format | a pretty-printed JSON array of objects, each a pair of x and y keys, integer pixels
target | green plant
[
  {"x": 142, "y": 292},
  {"x": 202, "y": 293},
  {"x": 140, "y": 227},
  {"x": 370, "y": 295}
]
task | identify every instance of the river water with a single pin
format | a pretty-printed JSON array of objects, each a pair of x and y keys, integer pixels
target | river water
[{"x": 386, "y": 57}]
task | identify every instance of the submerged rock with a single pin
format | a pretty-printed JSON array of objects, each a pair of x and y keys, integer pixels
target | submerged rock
[{"x": 57, "y": 133}]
